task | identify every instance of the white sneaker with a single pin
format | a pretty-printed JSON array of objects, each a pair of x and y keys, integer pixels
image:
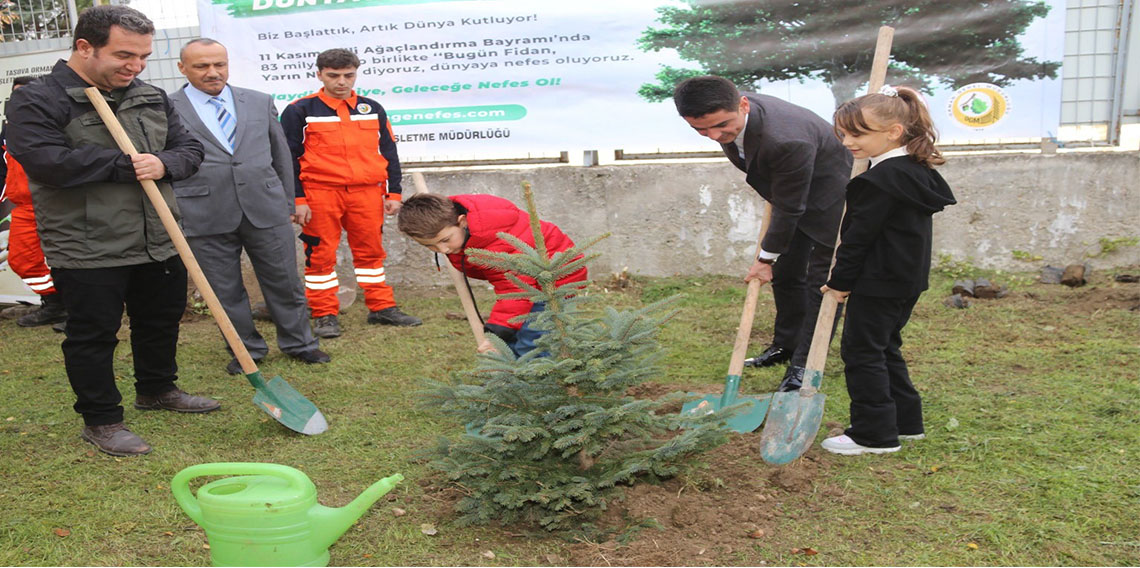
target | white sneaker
[
  {"x": 911, "y": 437},
  {"x": 846, "y": 446}
]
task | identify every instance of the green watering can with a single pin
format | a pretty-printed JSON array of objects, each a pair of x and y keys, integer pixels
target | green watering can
[{"x": 269, "y": 516}]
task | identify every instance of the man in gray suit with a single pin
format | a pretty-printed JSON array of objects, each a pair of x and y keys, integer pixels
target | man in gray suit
[
  {"x": 793, "y": 159},
  {"x": 242, "y": 196}
]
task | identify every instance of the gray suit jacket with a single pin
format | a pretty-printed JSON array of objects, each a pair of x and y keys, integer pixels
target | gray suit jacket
[
  {"x": 793, "y": 159},
  {"x": 257, "y": 180}
]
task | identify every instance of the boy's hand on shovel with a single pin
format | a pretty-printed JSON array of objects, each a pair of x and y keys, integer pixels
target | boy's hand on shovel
[
  {"x": 148, "y": 166},
  {"x": 485, "y": 346}
]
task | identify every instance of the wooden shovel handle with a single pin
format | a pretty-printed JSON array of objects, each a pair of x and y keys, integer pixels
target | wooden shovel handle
[
  {"x": 175, "y": 232},
  {"x": 821, "y": 339},
  {"x": 744, "y": 331},
  {"x": 458, "y": 280}
]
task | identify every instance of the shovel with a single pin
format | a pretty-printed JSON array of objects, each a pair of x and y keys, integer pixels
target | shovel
[
  {"x": 276, "y": 397},
  {"x": 457, "y": 279},
  {"x": 750, "y": 417},
  {"x": 794, "y": 417}
]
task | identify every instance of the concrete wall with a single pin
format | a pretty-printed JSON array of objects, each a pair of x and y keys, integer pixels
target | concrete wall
[{"x": 701, "y": 217}]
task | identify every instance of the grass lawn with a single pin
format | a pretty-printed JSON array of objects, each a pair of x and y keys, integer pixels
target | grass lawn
[{"x": 1032, "y": 458}]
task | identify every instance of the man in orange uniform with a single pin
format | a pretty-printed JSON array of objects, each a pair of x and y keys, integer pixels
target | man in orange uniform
[
  {"x": 348, "y": 173},
  {"x": 24, "y": 253}
]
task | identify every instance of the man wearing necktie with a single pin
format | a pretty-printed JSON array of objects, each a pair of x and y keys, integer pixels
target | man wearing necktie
[
  {"x": 794, "y": 160},
  {"x": 242, "y": 197}
]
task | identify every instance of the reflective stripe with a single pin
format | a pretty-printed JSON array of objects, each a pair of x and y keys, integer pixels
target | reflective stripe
[
  {"x": 369, "y": 271},
  {"x": 322, "y": 119},
  {"x": 37, "y": 279},
  {"x": 322, "y": 286},
  {"x": 320, "y": 277},
  {"x": 365, "y": 117},
  {"x": 370, "y": 279},
  {"x": 38, "y": 287}
]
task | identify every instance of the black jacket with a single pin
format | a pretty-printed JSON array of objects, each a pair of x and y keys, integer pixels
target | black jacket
[
  {"x": 887, "y": 230},
  {"x": 91, "y": 211},
  {"x": 794, "y": 161}
]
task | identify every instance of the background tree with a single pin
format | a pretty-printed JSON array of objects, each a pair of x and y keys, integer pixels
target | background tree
[
  {"x": 548, "y": 438},
  {"x": 936, "y": 41}
]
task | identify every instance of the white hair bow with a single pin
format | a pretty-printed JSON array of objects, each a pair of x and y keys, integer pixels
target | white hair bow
[{"x": 889, "y": 91}]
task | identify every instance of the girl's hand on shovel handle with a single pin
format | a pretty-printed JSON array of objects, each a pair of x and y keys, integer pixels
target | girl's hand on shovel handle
[
  {"x": 839, "y": 296},
  {"x": 485, "y": 346}
]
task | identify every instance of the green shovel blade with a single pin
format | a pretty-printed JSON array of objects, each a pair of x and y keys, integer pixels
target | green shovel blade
[
  {"x": 747, "y": 419},
  {"x": 287, "y": 406},
  {"x": 793, "y": 421}
]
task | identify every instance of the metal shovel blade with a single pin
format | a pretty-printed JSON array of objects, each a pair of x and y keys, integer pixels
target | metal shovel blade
[
  {"x": 793, "y": 421},
  {"x": 287, "y": 406},
  {"x": 747, "y": 419}
]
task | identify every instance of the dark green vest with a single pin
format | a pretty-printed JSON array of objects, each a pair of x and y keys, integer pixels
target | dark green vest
[{"x": 107, "y": 224}]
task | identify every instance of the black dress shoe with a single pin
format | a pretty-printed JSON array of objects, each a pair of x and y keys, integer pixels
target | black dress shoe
[
  {"x": 793, "y": 379},
  {"x": 773, "y": 355},
  {"x": 234, "y": 368},
  {"x": 311, "y": 356}
]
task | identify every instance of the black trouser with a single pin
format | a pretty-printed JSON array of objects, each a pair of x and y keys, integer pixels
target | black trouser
[
  {"x": 155, "y": 297},
  {"x": 884, "y": 403},
  {"x": 796, "y": 279}
]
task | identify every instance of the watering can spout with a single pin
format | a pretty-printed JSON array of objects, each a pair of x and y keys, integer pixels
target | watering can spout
[{"x": 330, "y": 523}]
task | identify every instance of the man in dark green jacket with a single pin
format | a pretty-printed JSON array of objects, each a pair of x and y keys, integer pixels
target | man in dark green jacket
[{"x": 100, "y": 234}]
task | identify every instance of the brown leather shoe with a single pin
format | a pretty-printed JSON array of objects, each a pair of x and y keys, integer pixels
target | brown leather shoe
[
  {"x": 177, "y": 401},
  {"x": 115, "y": 439}
]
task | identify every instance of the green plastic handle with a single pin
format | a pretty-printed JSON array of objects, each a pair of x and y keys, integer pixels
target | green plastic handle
[{"x": 180, "y": 485}]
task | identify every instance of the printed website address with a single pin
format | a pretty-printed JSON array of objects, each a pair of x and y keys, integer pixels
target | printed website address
[{"x": 484, "y": 113}]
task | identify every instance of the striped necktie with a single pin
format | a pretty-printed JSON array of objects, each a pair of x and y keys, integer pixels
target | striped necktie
[{"x": 225, "y": 121}]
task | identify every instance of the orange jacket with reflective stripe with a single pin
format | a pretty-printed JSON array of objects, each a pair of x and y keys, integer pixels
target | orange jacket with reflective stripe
[{"x": 341, "y": 142}]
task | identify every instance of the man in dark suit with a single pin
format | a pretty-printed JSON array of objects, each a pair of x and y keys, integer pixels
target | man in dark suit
[
  {"x": 242, "y": 197},
  {"x": 792, "y": 158}
]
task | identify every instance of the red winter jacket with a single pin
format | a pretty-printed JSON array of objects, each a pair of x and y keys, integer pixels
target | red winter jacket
[{"x": 487, "y": 216}]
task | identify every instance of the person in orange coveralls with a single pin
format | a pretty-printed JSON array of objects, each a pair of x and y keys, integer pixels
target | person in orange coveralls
[{"x": 348, "y": 173}]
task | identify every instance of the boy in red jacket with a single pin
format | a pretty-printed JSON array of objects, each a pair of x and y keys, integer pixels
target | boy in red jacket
[{"x": 450, "y": 225}]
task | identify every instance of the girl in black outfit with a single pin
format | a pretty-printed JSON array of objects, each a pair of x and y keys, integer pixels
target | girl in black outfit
[{"x": 883, "y": 261}]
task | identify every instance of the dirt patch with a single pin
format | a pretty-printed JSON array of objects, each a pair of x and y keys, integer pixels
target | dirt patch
[
  {"x": 1115, "y": 296},
  {"x": 706, "y": 517}
]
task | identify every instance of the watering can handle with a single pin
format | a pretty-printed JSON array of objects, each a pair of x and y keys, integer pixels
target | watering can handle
[{"x": 180, "y": 485}]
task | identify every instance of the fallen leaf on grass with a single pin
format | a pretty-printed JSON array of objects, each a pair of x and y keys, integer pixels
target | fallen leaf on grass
[
  {"x": 206, "y": 546},
  {"x": 10, "y": 418},
  {"x": 972, "y": 546},
  {"x": 367, "y": 555},
  {"x": 808, "y": 551},
  {"x": 168, "y": 533},
  {"x": 488, "y": 555},
  {"x": 61, "y": 532},
  {"x": 758, "y": 533},
  {"x": 398, "y": 512},
  {"x": 428, "y": 529}
]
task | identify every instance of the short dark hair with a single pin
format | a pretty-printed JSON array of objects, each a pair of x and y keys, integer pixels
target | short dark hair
[
  {"x": 337, "y": 58},
  {"x": 198, "y": 40},
  {"x": 698, "y": 96},
  {"x": 23, "y": 80},
  {"x": 424, "y": 215},
  {"x": 95, "y": 24}
]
